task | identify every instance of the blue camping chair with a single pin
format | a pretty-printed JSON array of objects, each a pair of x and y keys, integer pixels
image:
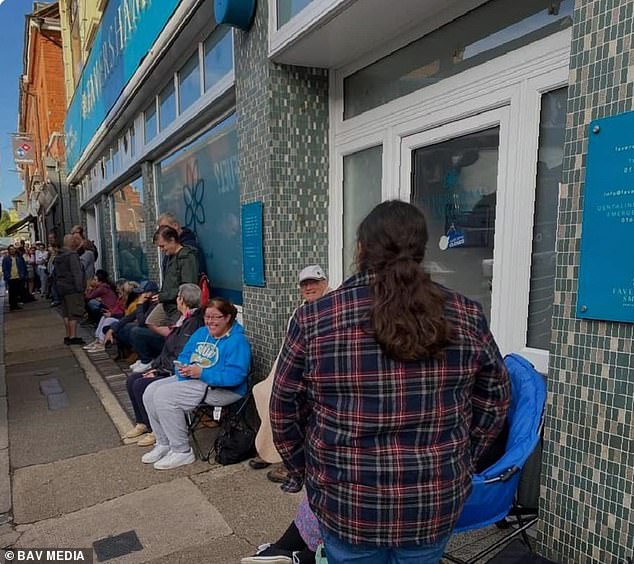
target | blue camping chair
[{"x": 493, "y": 495}]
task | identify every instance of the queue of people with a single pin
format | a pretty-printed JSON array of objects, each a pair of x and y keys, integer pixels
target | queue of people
[{"x": 386, "y": 392}]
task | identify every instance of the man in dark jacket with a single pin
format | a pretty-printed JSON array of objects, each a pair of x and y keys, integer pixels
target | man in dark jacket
[
  {"x": 186, "y": 237},
  {"x": 14, "y": 274},
  {"x": 181, "y": 268},
  {"x": 69, "y": 279}
]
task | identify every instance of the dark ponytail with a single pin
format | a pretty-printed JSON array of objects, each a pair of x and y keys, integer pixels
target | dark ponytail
[{"x": 407, "y": 314}]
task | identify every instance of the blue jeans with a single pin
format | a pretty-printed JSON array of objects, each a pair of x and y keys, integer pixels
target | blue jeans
[
  {"x": 341, "y": 552},
  {"x": 147, "y": 344}
]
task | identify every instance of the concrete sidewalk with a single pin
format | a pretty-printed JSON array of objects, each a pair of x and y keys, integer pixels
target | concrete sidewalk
[
  {"x": 68, "y": 481},
  {"x": 75, "y": 483}
]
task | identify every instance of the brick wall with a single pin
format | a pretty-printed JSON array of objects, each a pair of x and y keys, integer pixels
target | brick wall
[
  {"x": 588, "y": 463},
  {"x": 283, "y": 144}
]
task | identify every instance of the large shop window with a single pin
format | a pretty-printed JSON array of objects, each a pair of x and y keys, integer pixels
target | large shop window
[
  {"x": 362, "y": 173},
  {"x": 199, "y": 183},
  {"x": 483, "y": 34},
  {"x": 288, "y": 9},
  {"x": 129, "y": 234},
  {"x": 218, "y": 56},
  {"x": 552, "y": 127}
]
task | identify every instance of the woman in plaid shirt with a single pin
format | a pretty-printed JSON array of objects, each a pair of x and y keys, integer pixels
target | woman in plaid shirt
[{"x": 387, "y": 391}]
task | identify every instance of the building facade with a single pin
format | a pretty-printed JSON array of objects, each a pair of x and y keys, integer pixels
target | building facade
[
  {"x": 52, "y": 205},
  {"x": 477, "y": 111}
]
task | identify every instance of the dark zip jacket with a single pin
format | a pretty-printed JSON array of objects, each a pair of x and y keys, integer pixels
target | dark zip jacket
[{"x": 180, "y": 268}]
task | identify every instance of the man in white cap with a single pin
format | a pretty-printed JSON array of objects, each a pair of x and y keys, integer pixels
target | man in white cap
[{"x": 313, "y": 284}]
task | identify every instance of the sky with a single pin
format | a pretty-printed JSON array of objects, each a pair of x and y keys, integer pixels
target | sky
[{"x": 12, "y": 35}]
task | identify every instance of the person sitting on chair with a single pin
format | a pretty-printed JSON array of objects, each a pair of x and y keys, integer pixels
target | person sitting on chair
[
  {"x": 313, "y": 284},
  {"x": 212, "y": 368},
  {"x": 188, "y": 303}
]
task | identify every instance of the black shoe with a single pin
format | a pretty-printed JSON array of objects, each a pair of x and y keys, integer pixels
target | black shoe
[
  {"x": 257, "y": 463},
  {"x": 269, "y": 553},
  {"x": 77, "y": 341},
  {"x": 55, "y": 304},
  {"x": 67, "y": 340}
]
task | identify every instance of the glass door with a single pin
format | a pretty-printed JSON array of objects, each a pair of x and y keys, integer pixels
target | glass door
[{"x": 453, "y": 174}]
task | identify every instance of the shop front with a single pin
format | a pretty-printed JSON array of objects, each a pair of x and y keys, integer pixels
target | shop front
[
  {"x": 468, "y": 123},
  {"x": 167, "y": 144}
]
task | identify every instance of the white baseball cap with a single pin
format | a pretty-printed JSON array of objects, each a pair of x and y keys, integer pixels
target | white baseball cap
[{"x": 312, "y": 272}]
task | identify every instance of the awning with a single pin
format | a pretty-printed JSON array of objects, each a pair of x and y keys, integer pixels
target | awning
[{"x": 16, "y": 226}]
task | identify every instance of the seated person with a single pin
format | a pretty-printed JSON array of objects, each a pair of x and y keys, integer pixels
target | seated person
[
  {"x": 120, "y": 333},
  {"x": 188, "y": 303},
  {"x": 212, "y": 368},
  {"x": 100, "y": 294},
  {"x": 127, "y": 302},
  {"x": 313, "y": 284}
]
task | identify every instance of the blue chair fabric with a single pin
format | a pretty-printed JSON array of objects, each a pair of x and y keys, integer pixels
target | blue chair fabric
[{"x": 493, "y": 490}]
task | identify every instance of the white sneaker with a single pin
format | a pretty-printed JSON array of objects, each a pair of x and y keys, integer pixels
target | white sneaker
[
  {"x": 158, "y": 452},
  {"x": 267, "y": 554},
  {"x": 175, "y": 459},
  {"x": 97, "y": 347},
  {"x": 90, "y": 345},
  {"x": 133, "y": 366},
  {"x": 141, "y": 367}
]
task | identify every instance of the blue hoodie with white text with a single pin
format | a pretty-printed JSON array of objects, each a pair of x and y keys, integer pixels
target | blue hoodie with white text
[{"x": 225, "y": 361}]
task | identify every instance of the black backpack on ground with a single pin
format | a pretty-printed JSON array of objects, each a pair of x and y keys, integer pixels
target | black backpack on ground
[{"x": 236, "y": 440}]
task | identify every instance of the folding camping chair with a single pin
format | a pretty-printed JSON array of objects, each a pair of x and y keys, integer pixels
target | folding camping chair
[
  {"x": 203, "y": 414},
  {"x": 494, "y": 494}
]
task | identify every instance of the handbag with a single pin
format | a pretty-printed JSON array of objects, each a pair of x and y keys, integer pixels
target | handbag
[{"x": 235, "y": 441}]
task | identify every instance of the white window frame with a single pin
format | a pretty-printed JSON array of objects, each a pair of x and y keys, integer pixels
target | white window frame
[
  {"x": 515, "y": 81},
  {"x": 299, "y": 24}
]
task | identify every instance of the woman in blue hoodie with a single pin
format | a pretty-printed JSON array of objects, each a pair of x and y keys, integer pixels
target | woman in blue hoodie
[{"x": 213, "y": 366}]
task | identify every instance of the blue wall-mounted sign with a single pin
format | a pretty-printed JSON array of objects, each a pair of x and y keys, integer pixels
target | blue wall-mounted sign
[
  {"x": 606, "y": 273},
  {"x": 237, "y": 13},
  {"x": 127, "y": 31},
  {"x": 252, "y": 245}
]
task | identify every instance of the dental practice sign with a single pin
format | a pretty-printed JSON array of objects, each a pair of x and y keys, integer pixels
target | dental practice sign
[
  {"x": 606, "y": 269},
  {"x": 127, "y": 31}
]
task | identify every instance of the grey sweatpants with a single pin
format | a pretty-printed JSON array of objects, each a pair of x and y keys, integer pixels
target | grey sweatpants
[{"x": 168, "y": 399}]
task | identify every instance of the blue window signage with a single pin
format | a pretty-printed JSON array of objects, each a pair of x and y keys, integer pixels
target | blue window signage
[
  {"x": 606, "y": 272},
  {"x": 127, "y": 31},
  {"x": 252, "y": 245}
]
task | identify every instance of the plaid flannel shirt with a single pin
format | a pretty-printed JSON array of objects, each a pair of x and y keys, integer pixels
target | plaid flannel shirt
[{"x": 386, "y": 447}]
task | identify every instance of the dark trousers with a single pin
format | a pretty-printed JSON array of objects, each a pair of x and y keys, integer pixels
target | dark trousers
[
  {"x": 146, "y": 343},
  {"x": 136, "y": 385},
  {"x": 15, "y": 292}
]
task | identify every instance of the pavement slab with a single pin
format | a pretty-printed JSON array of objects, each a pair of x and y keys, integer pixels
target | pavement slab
[
  {"x": 3, "y": 380},
  {"x": 39, "y": 435},
  {"x": 5, "y": 482},
  {"x": 254, "y": 507},
  {"x": 166, "y": 518},
  {"x": 33, "y": 329},
  {"x": 50, "y": 490},
  {"x": 224, "y": 550}
]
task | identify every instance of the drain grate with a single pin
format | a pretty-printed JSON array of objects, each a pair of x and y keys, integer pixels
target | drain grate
[{"x": 119, "y": 545}]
